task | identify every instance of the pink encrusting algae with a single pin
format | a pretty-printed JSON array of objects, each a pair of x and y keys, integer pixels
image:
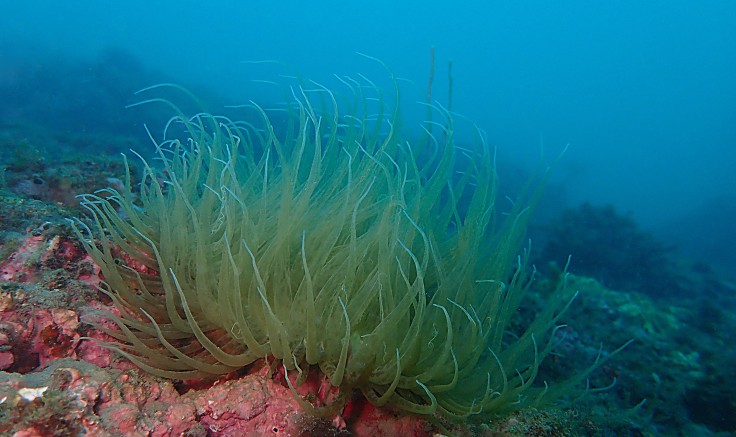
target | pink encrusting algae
[{"x": 55, "y": 380}]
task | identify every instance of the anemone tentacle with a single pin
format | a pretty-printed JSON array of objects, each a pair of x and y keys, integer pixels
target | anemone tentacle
[{"x": 333, "y": 243}]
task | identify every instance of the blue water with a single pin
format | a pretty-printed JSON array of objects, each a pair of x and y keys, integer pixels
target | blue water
[{"x": 644, "y": 93}]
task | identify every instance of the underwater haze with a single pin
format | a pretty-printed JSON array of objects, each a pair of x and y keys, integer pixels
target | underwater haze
[
  {"x": 644, "y": 93},
  {"x": 631, "y": 103}
]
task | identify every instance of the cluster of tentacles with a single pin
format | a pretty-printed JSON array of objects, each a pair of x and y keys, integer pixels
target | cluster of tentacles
[{"x": 332, "y": 243}]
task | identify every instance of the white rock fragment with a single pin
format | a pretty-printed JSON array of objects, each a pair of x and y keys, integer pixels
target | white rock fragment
[{"x": 31, "y": 393}]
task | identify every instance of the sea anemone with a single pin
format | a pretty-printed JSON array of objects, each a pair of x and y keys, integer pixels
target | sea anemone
[{"x": 331, "y": 244}]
